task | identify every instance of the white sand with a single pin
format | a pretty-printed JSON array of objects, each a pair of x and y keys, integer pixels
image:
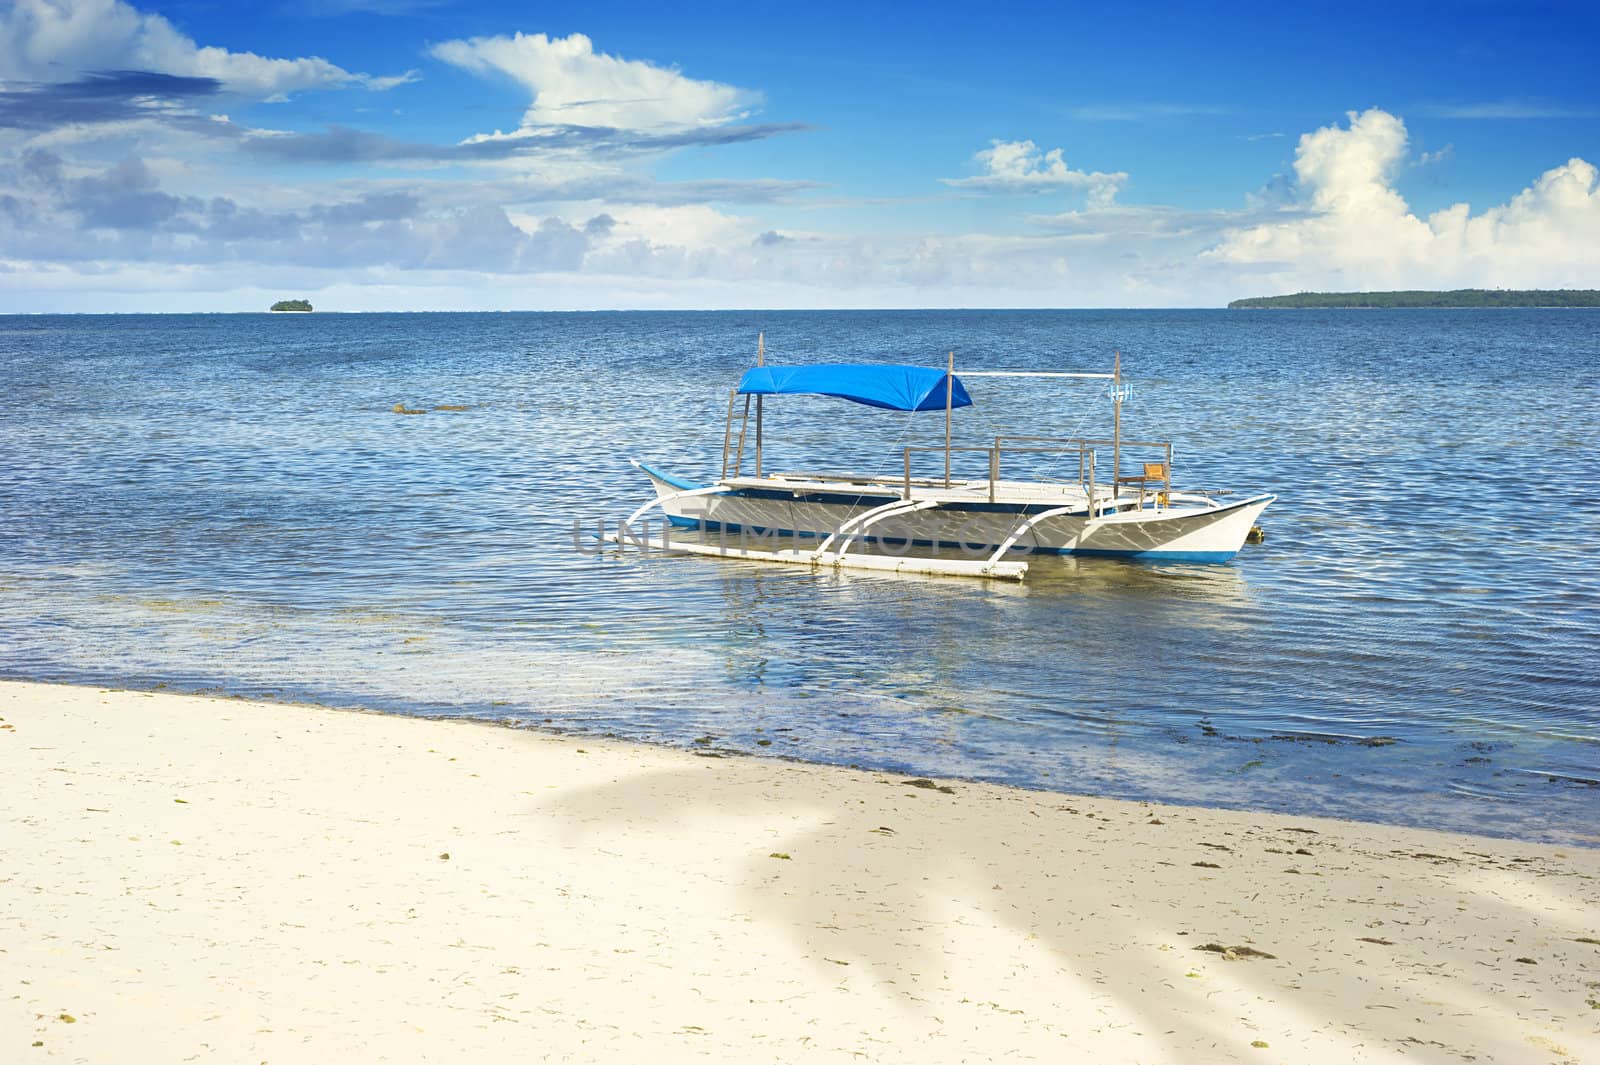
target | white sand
[{"x": 193, "y": 879}]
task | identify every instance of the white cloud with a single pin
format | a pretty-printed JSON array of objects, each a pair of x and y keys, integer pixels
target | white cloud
[
  {"x": 1019, "y": 166},
  {"x": 75, "y": 232},
  {"x": 1435, "y": 158},
  {"x": 1122, "y": 223},
  {"x": 572, "y": 84},
  {"x": 1360, "y": 233},
  {"x": 694, "y": 226},
  {"x": 74, "y": 228},
  {"x": 59, "y": 40},
  {"x": 387, "y": 82}
]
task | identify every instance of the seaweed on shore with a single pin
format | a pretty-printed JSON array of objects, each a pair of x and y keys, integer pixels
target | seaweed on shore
[
  {"x": 1235, "y": 952},
  {"x": 925, "y": 783}
]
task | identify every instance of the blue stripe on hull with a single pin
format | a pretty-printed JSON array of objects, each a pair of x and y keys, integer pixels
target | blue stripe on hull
[
  {"x": 859, "y": 499},
  {"x": 1153, "y": 556}
]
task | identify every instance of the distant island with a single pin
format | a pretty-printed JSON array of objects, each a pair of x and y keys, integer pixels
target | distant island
[
  {"x": 291, "y": 305},
  {"x": 1461, "y": 297}
]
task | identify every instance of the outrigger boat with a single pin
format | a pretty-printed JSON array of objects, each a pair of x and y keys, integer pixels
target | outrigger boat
[{"x": 909, "y": 520}]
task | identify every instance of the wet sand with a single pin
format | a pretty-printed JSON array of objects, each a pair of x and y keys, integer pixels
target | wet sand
[{"x": 187, "y": 878}]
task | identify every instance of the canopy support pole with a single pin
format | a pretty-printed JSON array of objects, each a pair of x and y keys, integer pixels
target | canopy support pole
[
  {"x": 949, "y": 404},
  {"x": 761, "y": 360},
  {"x": 738, "y": 455}
]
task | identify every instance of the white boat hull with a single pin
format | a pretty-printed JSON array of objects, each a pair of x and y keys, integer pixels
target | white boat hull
[{"x": 1192, "y": 529}]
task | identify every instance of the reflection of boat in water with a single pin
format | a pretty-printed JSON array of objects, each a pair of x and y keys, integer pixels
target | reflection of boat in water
[
  {"x": 944, "y": 525},
  {"x": 1163, "y": 588},
  {"x": 1195, "y": 595}
]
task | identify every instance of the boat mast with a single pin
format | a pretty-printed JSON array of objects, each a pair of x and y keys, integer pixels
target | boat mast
[
  {"x": 761, "y": 360},
  {"x": 1116, "y": 424},
  {"x": 949, "y": 403}
]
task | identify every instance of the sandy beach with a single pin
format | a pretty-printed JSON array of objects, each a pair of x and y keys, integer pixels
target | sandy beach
[{"x": 198, "y": 879}]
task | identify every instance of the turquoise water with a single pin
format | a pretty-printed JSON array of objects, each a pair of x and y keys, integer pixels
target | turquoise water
[{"x": 227, "y": 503}]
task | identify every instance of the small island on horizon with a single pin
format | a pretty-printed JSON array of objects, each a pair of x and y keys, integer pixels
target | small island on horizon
[
  {"x": 302, "y": 306},
  {"x": 1461, "y": 297}
]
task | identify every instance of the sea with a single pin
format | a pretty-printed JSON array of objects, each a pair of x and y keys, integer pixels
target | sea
[{"x": 229, "y": 504}]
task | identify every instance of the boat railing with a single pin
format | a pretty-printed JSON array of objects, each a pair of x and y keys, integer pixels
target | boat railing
[
  {"x": 945, "y": 482},
  {"x": 1086, "y": 460},
  {"x": 818, "y": 476},
  {"x": 1152, "y": 474}
]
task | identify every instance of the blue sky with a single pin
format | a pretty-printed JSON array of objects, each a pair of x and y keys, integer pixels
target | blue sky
[{"x": 375, "y": 154}]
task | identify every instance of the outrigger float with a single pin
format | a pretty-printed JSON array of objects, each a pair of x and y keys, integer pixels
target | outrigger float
[{"x": 908, "y": 519}]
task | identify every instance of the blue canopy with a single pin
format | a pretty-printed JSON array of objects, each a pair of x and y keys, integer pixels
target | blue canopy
[{"x": 888, "y": 387}]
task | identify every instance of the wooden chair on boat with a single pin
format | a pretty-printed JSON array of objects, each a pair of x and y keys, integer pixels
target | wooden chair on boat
[{"x": 1153, "y": 473}]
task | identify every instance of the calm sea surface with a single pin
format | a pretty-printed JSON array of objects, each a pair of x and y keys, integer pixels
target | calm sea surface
[{"x": 227, "y": 503}]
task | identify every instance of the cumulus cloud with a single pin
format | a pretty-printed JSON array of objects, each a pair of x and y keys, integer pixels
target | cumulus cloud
[
  {"x": 1358, "y": 231},
  {"x": 56, "y": 40},
  {"x": 573, "y": 85},
  {"x": 609, "y": 235},
  {"x": 126, "y": 196},
  {"x": 1019, "y": 166},
  {"x": 55, "y": 214}
]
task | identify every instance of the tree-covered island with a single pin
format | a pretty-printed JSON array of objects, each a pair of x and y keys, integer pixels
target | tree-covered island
[
  {"x": 1461, "y": 297},
  {"x": 291, "y": 305}
]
